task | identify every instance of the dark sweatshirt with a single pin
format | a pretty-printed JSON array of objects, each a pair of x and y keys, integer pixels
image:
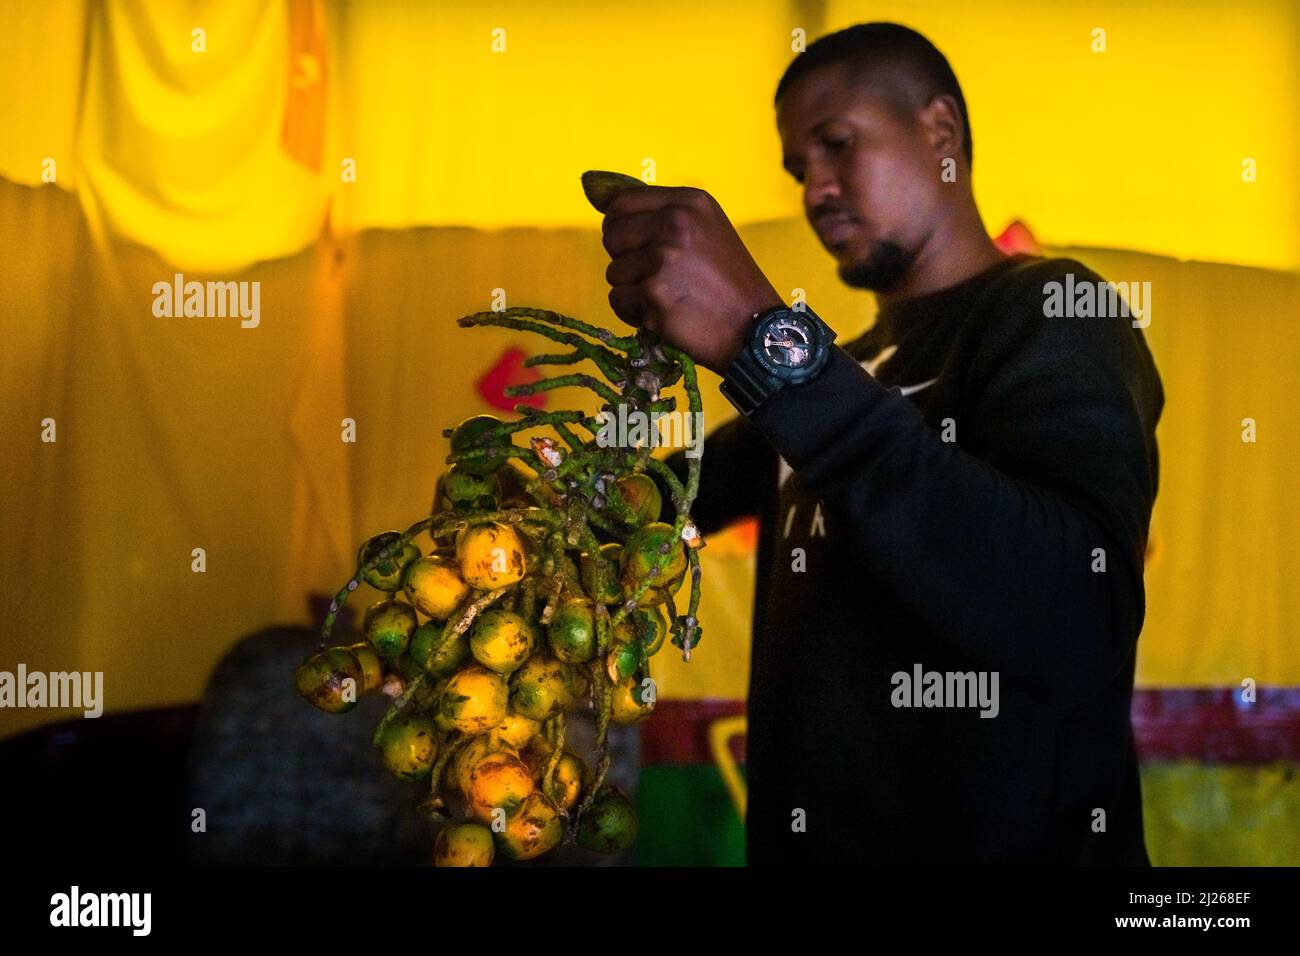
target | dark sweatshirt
[{"x": 976, "y": 511}]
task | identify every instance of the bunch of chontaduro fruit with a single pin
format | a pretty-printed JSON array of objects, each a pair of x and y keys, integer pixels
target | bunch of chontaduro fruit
[{"x": 546, "y": 582}]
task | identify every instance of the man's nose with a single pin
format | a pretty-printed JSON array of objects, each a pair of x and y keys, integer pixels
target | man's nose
[{"x": 821, "y": 186}]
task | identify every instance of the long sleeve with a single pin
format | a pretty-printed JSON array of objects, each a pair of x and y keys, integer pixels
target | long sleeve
[
  {"x": 989, "y": 540},
  {"x": 736, "y": 461}
]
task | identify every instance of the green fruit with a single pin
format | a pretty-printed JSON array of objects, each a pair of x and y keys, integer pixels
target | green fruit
[
  {"x": 466, "y": 438},
  {"x": 467, "y": 491},
  {"x": 651, "y": 627},
  {"x": 654, "y": 545},
  {"x": 642, "y": 495},
  {"x": 389, "y": 626},
  {"x": 542, "y": 687},
  {"x": 610, "y": 824},
  {"x": 409, "y": 745},
  {"x": 599, "y": 574},
  {"x": 330, "y": 680},
  {"x": 625, "y": 656},
  {"x": 387, "y": 574},
  {"x": 439, "y": 651},
  {"x": 572, "y": 632}
]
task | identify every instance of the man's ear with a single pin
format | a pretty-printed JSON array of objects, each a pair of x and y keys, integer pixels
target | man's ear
[{"x": 941, "y": 119}]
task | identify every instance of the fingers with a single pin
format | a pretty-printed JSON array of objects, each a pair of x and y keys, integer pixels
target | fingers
[
  {"x": 634, "y": 231},
  {"x": 634, "y": 266},
  {"x": 630, "y": 304},
  {"x": 636, "y": 199},
  {"x": 638, "y": 217}
]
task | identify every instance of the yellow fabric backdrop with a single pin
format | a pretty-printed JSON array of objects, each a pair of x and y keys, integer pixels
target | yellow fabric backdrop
[
  {"x": 183, "y": 433},
  {"x": 1137, "y": 147}
]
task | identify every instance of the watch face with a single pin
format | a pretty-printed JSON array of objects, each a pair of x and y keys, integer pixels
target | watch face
[{"x": 788, "y": 341}]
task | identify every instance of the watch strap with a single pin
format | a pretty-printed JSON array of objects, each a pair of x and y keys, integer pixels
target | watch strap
[{"x": 746, "y": 384}]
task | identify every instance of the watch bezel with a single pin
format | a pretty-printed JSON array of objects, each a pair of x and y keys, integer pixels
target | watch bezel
[{"x": 822, "y": 338}]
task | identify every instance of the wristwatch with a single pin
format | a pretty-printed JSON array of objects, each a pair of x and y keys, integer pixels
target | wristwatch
[{"x": 784, "y": 347}]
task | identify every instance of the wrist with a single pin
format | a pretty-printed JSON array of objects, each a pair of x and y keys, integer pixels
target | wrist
[{"x": 742, "y": 329}]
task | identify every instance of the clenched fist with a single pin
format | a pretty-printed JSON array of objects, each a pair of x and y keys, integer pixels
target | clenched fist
[{"x": 679, "y": 269}]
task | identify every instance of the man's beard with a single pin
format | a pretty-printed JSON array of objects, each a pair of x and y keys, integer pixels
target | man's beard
[{"x": 883, "y": 269}]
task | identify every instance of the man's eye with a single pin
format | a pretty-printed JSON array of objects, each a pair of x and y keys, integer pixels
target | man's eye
[{"x": 836, "y": 143}]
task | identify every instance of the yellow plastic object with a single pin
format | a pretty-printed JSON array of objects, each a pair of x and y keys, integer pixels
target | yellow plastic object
[{"x": 720, "y": 733}]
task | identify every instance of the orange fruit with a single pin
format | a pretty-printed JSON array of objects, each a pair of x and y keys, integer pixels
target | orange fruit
[
  {"x": 498, "y": 781},
  {"x": 467, "y": 757}
]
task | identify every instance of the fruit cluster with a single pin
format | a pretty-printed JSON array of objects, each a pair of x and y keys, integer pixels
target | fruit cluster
[{"x": 547, "y": 584}]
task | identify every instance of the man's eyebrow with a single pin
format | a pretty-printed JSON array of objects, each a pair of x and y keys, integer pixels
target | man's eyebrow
[{"x": 785, "y": 160}]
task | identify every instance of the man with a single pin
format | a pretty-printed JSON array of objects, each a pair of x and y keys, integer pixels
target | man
[{"x": 954, "y": 506}]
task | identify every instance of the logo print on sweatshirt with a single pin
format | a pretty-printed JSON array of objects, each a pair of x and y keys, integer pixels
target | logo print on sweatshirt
[{"x": 871, "y": 365}]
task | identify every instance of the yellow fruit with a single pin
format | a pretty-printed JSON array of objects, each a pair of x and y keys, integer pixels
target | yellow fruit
[
  {"x": 501, "y": 640},
  {"x": 566, "y": 785},
  {"x": 498, "y": 781},
  {"x": 464, "y": 844},
  {"x": 629, "y": 702},
  {"x": 516, "y": 730},
  {"x": 372, "y": 669},
  {"x": 475, "y": 700},
  {"x": 533, "y": 829},
  {"x": 410, "y": 746},
  {"x": 434, "y": 585},
  {"x": 491, "y": 555}
]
